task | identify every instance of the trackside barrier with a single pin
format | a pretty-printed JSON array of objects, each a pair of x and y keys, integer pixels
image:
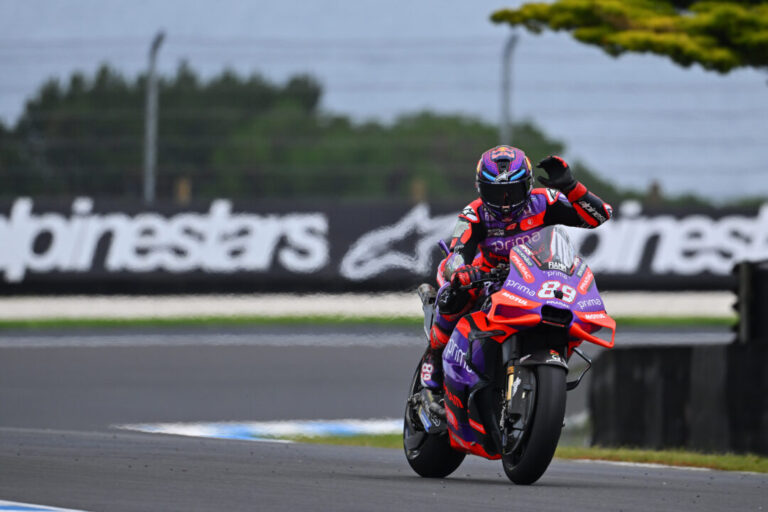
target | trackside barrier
[
  {"x": 751, "y": 301},
  {"x": 709, "y": 398}
]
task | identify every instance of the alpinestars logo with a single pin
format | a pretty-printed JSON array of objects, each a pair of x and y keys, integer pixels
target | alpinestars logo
[
  {"x": 216, "y": 241},
  {"x": 373, "y": 253},
  {"x": 591, "y": 211},
  {"x": 552, "y": 195},
  {"x": 469, "y": 213}
]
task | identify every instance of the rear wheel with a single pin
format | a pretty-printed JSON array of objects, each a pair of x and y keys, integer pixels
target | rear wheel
[
  {"x": 429, "y": 455},
  {"x": 530, "y": 458}
]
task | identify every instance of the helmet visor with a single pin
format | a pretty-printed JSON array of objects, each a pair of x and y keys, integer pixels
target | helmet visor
[{"x": 504, "y": 194}]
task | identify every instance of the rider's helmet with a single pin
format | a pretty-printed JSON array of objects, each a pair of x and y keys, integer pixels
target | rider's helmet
[{"x": 504, "y": 180}]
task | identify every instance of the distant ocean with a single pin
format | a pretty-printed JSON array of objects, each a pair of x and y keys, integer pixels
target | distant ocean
[{"x": 634, "y": 120}]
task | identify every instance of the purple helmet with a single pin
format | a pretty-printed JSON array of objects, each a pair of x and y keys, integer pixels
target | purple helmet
[{"x": 504, "y": 180}]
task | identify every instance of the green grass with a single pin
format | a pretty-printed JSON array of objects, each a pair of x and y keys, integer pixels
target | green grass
[
  {"x": 373, "y": 441},
  {"x": 397, "y": 321},
  {"x": 723, "y": 461},
  {"x": 727, "y": 462}
]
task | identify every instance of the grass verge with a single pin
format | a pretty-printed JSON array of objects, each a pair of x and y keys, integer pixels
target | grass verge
[
  {"x": 234, "y": 321},
  {"x": 727, "y": 462},
  {"x": 722, "y": 461}
]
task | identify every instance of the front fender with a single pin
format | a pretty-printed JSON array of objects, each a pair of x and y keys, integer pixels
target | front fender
[{"x": 543, "y": 356}]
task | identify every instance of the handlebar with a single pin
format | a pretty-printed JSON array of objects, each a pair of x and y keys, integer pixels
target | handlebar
[{"x": 496, "y": 274}]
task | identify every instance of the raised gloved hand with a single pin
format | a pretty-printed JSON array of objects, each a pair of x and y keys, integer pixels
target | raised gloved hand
[
  {"x": 465, "y": 275},
  {"x": 559, "y": 174}
]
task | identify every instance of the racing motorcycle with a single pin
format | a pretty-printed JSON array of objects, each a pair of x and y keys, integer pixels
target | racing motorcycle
[{"x": 506, "y": 363}]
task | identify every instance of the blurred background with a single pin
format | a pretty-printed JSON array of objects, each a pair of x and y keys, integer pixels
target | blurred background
[{"x": 301, "y": 99}]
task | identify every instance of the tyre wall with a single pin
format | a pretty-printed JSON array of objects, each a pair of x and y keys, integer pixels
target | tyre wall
[{"x": 709, "y": 398}]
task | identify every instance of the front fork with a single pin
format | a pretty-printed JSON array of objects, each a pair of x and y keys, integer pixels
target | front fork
[
  {"x": 522, "y": 356},
  {"x": 520, "y": 387},
  {"x": 518, "y": 406}
]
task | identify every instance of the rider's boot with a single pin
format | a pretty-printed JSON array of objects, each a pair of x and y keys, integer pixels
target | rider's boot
[{"x": 431, "y": 394}]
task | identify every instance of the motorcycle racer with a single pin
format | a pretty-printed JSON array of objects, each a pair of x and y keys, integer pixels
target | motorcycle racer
[{"x": 508, "y": 212}]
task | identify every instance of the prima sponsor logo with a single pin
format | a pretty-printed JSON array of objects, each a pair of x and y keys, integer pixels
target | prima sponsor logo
[
  {"x": 217, "y": 241},
  {"x": 519, "y": 287},
  {"x": 457, "y": 355},
  {"x": 504, "y": 245},
  {"x": 528, "y": 238},
  {"x": 589, "y": 303}
]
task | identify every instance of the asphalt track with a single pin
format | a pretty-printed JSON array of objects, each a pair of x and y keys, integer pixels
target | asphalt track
[{"x": 59, "y": 399}]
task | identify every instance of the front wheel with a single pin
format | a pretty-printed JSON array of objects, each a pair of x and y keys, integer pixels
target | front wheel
[
  {"x": 530, "y": 458},
  {"x": 429, "y": 455}
]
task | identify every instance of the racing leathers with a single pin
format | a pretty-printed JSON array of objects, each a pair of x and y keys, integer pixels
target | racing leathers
[{"x": 481, "y": 242}]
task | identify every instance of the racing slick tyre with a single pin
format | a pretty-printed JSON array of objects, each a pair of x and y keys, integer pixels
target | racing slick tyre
[
  {"x": 530, "y": 459},
  {"x": 429, "y": 455}
]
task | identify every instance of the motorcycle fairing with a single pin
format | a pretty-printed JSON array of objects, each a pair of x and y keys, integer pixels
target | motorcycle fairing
[
  {"x": 526, "y": 292},
  {"x": 472, "y": 351}
]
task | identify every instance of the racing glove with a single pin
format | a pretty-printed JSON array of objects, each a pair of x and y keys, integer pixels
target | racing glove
[
  {"x": 452, "y": 300},
  {"x": 465, "y": 275},
  {"x": 559, "y": 174}
]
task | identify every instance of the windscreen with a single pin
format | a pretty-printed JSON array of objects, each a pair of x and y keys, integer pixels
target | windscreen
[{"x": 553, "y": 249}]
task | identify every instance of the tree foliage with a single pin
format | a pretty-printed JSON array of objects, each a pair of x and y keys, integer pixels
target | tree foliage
[
  {"x": 87, "y": 136},
  {"x": 242, "y": 137},
  {"x": 718, "y": 35}
]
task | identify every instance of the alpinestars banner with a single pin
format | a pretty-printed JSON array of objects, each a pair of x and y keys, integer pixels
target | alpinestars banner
[{"x": 89, "y": 245}]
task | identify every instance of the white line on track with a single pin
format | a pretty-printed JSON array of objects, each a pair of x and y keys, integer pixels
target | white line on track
[
  {"x": 331, "y": 339},
  {"x": 212, "y": 339},
  {"x": 29, "y": 507},
  {"x": 640, "y": 464}
]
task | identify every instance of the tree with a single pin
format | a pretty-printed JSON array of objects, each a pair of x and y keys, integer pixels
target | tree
[
  {"x": 86, "y": 137},
  {"x": 719, "y": 35},
  {"x": 243, "y": 137}
]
